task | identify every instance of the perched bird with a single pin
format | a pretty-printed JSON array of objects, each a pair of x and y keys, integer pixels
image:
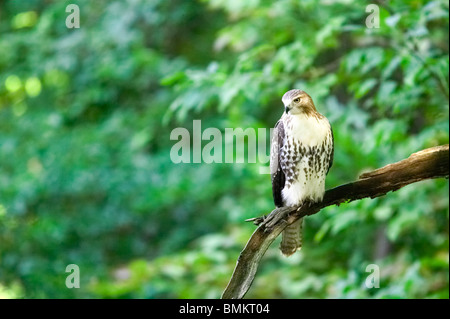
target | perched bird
[{"x": 301, "y": 155}]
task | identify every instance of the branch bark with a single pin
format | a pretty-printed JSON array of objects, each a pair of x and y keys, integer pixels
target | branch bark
[{"x": 426, "y": 164}]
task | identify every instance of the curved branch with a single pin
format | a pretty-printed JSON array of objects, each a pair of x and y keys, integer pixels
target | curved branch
[{"x": 426, "y": 164}]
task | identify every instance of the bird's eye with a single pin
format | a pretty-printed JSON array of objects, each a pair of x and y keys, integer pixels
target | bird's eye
[{"x": 297, "y": 100}]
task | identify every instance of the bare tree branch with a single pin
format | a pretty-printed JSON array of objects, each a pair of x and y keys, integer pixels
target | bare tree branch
[{"x": 426, "y": 164}]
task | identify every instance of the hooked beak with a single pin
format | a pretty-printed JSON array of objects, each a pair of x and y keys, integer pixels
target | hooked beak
[{"x": 287, "y": 109}]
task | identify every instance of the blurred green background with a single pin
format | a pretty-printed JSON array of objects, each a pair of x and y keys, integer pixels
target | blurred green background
[{"x": 85, "y": 122}]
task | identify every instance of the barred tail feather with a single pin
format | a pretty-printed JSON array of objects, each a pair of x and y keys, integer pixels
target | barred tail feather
[{"x": 291, "y": 239}]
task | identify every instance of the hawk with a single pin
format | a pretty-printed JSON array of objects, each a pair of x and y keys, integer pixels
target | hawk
[{"x": 301, "y": 155}]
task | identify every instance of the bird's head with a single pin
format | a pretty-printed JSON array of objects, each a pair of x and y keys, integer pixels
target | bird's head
[{"x": 298, "y": 102}]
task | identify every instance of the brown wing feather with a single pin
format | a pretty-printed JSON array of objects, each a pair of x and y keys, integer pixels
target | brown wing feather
[
  {"x": 330, "y": 162},
  {"x": 277, "y": 174}
]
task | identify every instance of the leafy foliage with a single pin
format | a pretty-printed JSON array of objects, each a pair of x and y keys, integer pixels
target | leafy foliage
[{"x": 86, "y": 116}]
